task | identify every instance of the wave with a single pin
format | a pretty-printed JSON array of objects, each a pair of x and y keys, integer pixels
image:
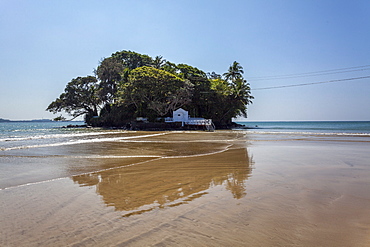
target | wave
[
  {"x": 56, "y": 136},
  {"x": 32, "y": 183},
  {"x": 95, "y": 140}
]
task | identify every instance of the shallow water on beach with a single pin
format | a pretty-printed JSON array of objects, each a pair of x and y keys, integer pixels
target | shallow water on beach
[{"x": 223, "y": 188}]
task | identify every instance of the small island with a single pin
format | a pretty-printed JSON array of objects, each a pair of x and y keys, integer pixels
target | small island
[{"x": 136, "y": 91}]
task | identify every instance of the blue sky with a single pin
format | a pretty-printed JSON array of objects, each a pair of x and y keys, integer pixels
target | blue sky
[{"x": 44, "y": 44}]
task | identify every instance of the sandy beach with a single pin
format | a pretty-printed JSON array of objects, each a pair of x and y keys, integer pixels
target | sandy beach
[{"x": 223, "y": 188}]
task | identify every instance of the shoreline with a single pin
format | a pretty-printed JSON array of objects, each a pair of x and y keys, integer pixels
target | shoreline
[{"x": 157, "y": 126}]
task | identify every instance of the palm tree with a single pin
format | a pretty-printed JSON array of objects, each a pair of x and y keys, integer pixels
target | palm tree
[
  {"x": 241, "y": 96},
  {"x": 235, "y": 72},
  {"x": 159, "y": 62}
]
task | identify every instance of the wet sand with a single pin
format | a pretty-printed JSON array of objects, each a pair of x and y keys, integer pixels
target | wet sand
[{"x": 227, "y": 188}]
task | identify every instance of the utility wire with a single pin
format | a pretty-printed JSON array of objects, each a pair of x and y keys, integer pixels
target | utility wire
[
  {"x": 312, "y": 83},
  {"x": 292, "y": 77},
  {"x": 322, "y": 72}
]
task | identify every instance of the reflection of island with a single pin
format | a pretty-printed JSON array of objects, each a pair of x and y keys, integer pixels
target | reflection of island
[{"x": 170, "y": 182}]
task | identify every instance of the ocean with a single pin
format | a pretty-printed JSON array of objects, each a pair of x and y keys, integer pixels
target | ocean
[
  {"x": 24, "y": 134},
  {"x": 31, "y": 135},
  {"x": 355, "y": 128}
]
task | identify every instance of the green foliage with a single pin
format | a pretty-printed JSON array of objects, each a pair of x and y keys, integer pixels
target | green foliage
[
  {"x": 170, "y": 67},
  {"x": 80, "y": 97},
  {"x": 221, "y": 87},
  {"x": 151, "y": 89},
  {"x": 112, "y": 70},
  {"x": 159, "y": 62},
  {"x": 191, "y": 73},
  {"x": 132, "y": 60},
  {"x": 199, "y": 104},
  {"x": 235, "y": 72},
  {"x": 231, "y": 97},
  {"x": 109, "y": 73}
]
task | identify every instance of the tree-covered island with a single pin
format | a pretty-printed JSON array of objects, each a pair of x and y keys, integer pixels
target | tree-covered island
[{"x": 128, "y": 85}]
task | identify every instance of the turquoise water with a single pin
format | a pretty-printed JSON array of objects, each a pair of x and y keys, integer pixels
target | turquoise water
[
  {"x": 18, "y": 135},
  {"x": 311, "y": 127},
  {"x": 27, "y": 129}
]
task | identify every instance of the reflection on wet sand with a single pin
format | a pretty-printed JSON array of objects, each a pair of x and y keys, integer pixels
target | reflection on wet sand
[{"x": 168, "y": 182}]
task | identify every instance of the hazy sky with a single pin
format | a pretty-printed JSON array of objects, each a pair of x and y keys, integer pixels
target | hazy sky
[{"x": 44, "y": 44}]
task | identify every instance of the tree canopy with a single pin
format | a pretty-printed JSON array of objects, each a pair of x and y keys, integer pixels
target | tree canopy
[
  {"x": 80, "y": 97},
  {"x": 151, "y": 89},
  {"x": 127, "y": 85}
]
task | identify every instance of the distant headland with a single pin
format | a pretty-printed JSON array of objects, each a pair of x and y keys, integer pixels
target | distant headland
[{"x": 33, "y": 120}]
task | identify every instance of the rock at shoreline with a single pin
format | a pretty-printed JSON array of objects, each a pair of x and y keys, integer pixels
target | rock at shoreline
[{"x": 76, "y": 126}]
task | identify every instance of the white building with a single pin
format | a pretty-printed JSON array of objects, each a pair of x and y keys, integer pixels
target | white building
[{"x": 180, "y": 115}]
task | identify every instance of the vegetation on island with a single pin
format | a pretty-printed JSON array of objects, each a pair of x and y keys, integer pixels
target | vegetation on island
[{"x": 128, "y": 85}]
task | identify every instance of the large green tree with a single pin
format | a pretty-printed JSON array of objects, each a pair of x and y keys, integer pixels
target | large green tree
[
  {"x": 80, "y": 97},
  {"x": 114, "y": 69},
  {"x": 109, "y": 73},
  {"x": 151, "y": 89}
]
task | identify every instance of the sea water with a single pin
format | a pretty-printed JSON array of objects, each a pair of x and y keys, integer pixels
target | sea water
[
  {"x": 23, "y": 134},
  {"x": 355, "y": 128},
  {"x": 26, "y": 135}
]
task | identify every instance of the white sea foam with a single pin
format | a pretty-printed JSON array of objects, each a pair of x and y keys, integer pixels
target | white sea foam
[
  {"x": 57, "y": 136},
  {"x": 114, "y": 156},
  {"x": 33, "y": 183},
  {"x": 95, "y": 140}
]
